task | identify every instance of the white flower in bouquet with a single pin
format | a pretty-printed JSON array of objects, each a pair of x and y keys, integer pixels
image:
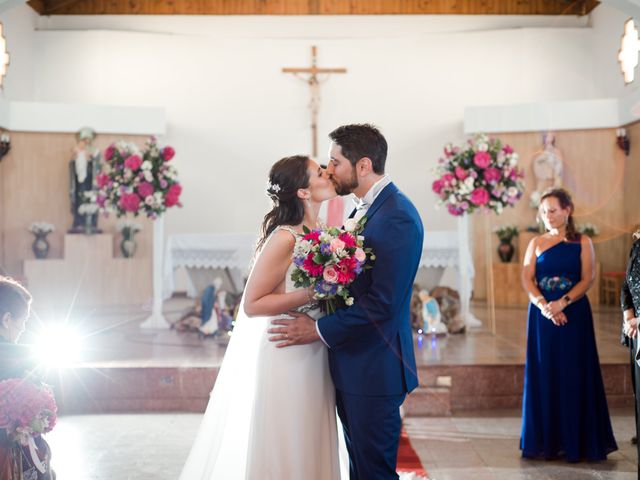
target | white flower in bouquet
[
  {"x": 350, "y": 224},
  {"x": 41, "y": 228}
]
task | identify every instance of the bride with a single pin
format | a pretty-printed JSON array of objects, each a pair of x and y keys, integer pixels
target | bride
[{"x": 272, "y": 413}]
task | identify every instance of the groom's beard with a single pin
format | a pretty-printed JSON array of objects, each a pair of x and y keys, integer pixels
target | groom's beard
[{"x": 343, "y": 188}]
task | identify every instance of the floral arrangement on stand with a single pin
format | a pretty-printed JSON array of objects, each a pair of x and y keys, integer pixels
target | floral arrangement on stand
[
  {"x": 329, "y": 260},
  {"x": 27, "y": 411},
  {"x": 140, "y": 182},
  {"x": 128, "y": 229},
  {"x": 483, "y": 176},
  {"x": 40, "y": 246},
  {"x": 588, "y": 229}
]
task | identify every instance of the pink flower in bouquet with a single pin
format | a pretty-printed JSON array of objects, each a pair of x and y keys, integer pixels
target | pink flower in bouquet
[
  {"x": 173, "y": 195},
  {"x": 26, "y": 410},
  {"x": 330, "y": 274},
  {"x": 437, "y": 186},
  {"x": 348, "y": 239},
  {"x": 461, "y": 173},
  {"x": 312, "y": 235},
  {"x": 346, "y": 270},
  {"x": 101, "y": 200},
  {"x": 492, "y": 174},
  {"x": 312, "y": 267},
  {"x": 102, "y": 179},
  {"x": 108, "y": 153},
  {"x": 454, "y": 210},
  {"x": 507, "y": 149},
  {"x": 168, "y": 153},
  {"x": 129, "y": 202},
  {"x": 479, "y": 196},
  {"x": 360, "y": 255},
  {"x": 482, "y": 159},
  {"x": 145, "y": 189},
  {"x": 336, "y": 244},
  {"x": 133, "y": 162}
]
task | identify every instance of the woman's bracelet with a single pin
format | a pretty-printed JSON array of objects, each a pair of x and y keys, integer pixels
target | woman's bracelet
[{"x": 537, "y": 300}]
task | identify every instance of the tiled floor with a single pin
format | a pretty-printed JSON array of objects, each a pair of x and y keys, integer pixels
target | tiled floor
[{"x": 472, "y": 447}]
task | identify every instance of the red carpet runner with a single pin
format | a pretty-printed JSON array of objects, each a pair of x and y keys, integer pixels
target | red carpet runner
[{"x": 408, "y": 460}]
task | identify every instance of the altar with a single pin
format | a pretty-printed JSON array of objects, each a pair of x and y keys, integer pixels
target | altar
[{"x": 233, "y": 252}]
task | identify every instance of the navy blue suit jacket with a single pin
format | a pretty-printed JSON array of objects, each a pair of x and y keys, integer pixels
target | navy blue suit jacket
[{"x": 371, "y": 343}]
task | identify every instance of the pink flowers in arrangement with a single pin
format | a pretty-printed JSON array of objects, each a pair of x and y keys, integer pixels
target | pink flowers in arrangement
[
  {"x": 483, "y": 176},
  {"x": 26, "y": 410},
  {"x": 138, "y": 182},
  {"x": 329, "y": 260}
]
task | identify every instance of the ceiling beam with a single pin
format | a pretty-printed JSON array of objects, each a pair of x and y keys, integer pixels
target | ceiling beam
[{"x": 315, "y": 7}]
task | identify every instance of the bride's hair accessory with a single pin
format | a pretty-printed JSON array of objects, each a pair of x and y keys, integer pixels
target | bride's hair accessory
[{"x": 273, "y": 189}]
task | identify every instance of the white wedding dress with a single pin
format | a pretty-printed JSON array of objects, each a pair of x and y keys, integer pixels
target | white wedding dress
[{"x": 271, "y": 415}]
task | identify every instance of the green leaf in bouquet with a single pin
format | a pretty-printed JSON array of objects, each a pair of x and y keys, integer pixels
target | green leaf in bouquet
[{"x": 305, "y": 229}]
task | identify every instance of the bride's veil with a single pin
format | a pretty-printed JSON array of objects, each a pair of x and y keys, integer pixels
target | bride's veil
[{"x": 220, "y": 448}]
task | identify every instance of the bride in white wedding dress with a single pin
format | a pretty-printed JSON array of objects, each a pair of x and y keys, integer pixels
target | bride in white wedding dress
[{"x": 271, "y": 415}]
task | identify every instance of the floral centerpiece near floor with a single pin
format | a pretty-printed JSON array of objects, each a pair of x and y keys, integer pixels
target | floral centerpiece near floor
[
  {"x": 140, "y": 182},
  {"x": 482, "y": 176},
  {"x": 27, "y": 411}
]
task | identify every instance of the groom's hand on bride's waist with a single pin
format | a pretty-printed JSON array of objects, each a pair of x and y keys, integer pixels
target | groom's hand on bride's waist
[{"x": 299, "y": 331}]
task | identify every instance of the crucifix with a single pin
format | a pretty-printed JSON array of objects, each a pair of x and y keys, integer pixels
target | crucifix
[{"x": 314, "y": 81}]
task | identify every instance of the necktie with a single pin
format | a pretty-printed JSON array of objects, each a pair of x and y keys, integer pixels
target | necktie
[{"x": 361, "y": 209}]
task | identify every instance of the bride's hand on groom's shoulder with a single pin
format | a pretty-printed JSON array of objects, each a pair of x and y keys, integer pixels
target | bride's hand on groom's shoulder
[{"x": 299, "y": 331}]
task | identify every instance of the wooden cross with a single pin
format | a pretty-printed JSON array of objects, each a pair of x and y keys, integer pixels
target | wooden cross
[{"x": 314, "y": 82}]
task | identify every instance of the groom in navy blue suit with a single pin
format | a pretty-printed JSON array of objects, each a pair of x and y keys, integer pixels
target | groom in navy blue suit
[{"x": 370, "y": 343}]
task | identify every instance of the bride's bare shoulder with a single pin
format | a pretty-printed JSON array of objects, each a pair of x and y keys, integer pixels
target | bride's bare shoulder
[{"x": 280, "y": 242}]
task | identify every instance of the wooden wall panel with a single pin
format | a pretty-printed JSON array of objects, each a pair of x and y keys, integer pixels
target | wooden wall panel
[
  {"x": 312, "y": 7},
  {"x": 34, "y": 186},
  {"x": 595, "y": 172}
]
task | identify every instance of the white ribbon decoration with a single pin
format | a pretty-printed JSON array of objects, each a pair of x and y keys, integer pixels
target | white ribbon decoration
[{"x": 33, "y": 450}]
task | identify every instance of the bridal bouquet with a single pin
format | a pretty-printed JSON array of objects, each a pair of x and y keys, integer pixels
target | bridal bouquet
[
  {"x": 484, "y": 176},
  {"x": 138, "y": 182},
  {"x": 329, "y": 260},
  {"x": 27, "y": 410}
]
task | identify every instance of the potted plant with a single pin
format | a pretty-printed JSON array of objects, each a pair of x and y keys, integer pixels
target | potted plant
[
  {"x": 588, "y": 229},
  {"x": 505, "y": 234},
  {"x": 40, "y": 245},
  {"x": 128, "y": 230}
]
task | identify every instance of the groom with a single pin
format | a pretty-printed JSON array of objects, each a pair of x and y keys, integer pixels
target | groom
[{"x": 370, "y": 343}]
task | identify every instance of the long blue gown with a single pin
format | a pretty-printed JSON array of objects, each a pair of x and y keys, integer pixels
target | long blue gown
[{"x": 564, "y": 408}]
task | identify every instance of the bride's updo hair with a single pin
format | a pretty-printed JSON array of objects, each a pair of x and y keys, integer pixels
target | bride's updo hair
[{"x": 285, "y": 178}]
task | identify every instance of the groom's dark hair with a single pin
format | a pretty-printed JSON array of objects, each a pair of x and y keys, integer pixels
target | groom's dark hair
[{"x": 362, "y": 140}]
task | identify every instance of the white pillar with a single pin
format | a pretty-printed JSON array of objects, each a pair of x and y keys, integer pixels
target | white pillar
[
  {"x": 466, "y": 272},
  {"x": 156, "y": 320}
]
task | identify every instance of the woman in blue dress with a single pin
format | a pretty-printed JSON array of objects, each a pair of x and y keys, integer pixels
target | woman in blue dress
[{"x": 564, "y": 408}]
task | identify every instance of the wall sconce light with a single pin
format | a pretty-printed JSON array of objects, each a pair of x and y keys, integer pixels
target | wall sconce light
[
  {"x": 4, "y": 55},
  {"x": 622, "y": 140},
  {"x": 628, "y": 53},
  {"x": 5, "y": 145}
]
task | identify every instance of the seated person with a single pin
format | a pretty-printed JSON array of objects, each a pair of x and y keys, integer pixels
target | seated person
[{"x": 16, "y": 362}]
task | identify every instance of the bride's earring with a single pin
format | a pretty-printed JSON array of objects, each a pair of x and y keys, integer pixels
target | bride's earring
[{"x": 308, "y": 200}]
